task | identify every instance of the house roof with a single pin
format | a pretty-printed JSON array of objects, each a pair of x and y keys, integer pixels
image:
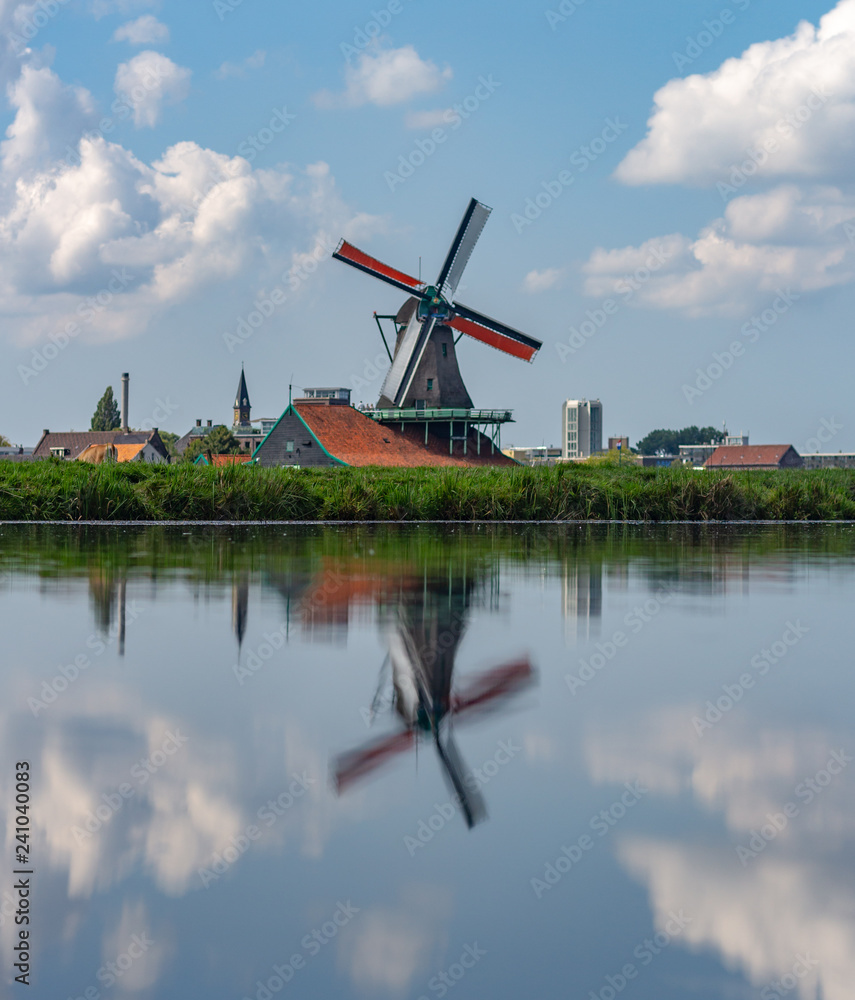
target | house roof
[
  {"x": 77, "y": 441},
  {"x": 128, "y": 452},
  {"x": 355, "y": 439},
  {"x": 738, "y": 455}
]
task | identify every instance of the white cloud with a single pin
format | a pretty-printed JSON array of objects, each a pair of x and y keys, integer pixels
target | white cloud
[
  {"x": 49, "y": 116},
  {"x": 229, "y": 69},
  {"x": 541, "y": 281},
  {"x": 147, "y": 82},
  {"x": 797, "y": 896},
  {"x": 145, "y": 30},
  {"x": 797, "y": 93},
  {"x": 385, "y": 77},
  {"x": 428, "y": 119},
  {"x": 784, "y": 238},
  {"x": 193, "y": 219}
]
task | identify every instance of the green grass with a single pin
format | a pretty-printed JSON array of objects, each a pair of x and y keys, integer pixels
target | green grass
[{"x": 72, "y": 491}]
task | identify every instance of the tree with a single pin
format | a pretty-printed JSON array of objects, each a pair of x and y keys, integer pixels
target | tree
[
  {"x": 169, "y": 439},
  {"x": 106, "y": 416},
  {"x": 218, "y": 441},
  {"x": 669, "y": 441},
  {"x": 4, "y": 442}
]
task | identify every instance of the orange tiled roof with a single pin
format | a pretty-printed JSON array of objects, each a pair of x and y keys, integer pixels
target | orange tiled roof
[
  {"x": 355, "y": 439},
  {"x": 745, "y": 455},
  {"x": 128, "y": 452},
  {"x": 229, "y": 459}
]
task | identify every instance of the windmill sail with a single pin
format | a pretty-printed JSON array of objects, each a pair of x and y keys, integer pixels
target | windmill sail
[
  {"x": 498, "y": 335},
  {"x": 362, "y": 261},
  {"x": 409, "y": 353},
  {"x": 462, "y": 245}
]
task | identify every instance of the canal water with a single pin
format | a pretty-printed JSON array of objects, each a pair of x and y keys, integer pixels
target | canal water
[{"x": 405, "y": 762}]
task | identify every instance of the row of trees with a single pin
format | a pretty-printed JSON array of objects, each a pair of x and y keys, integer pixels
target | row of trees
[{"x": 669, "y": 442}]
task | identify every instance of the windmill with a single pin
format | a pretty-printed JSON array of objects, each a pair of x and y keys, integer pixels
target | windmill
[
  {"x": 424, "y": 371},
  {"x": 422, "y": 651}
]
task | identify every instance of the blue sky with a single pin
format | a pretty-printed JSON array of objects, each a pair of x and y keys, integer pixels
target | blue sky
[{"x": 716, "y": 188}]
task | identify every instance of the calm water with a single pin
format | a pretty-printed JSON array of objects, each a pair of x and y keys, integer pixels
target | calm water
[{"x": 496, "y": 762}]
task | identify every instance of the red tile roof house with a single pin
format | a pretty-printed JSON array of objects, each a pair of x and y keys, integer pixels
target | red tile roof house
[
  {"x": 325, "y": 432},
  {"x": 756, "y": 456}
]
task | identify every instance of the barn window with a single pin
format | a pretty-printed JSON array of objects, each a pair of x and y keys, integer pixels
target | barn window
[
  {"x": 289, "y": 446},
  {"x": 445, "y": 350},
  {"x": 430, "y": 385}
]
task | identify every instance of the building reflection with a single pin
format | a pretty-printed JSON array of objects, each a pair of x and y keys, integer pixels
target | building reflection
[{"x": 581, "y": 599}]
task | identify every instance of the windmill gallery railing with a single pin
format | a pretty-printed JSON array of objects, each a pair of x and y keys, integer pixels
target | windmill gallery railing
[{"x": 459, "y": 422}]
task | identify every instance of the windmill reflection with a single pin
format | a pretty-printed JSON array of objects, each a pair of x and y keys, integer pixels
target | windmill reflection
[{"x": 426, "y": 617}]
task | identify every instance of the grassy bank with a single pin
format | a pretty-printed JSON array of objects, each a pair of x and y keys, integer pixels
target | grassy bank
[{"x": 71, "y": 491}]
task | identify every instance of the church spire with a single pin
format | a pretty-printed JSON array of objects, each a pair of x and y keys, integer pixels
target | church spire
[{"x": 242, "y": 404}]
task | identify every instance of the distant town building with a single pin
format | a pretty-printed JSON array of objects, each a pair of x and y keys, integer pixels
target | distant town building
[
  {"x": 758, "y": 456},
  {"x": 537, "y": 455},
  {"x": 581, "y": 428},
  {"x": 697, "y": 454},
  {"x": 622, "y": 442},
  {"x": 131, "y": 446},
  {"x": 657, "y": 461},
  {"x": 829, "y": 460}
]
